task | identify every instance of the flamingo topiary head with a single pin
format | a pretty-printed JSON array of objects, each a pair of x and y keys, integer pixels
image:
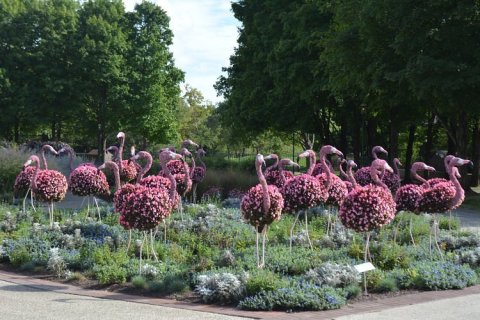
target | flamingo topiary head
[
  {"x": 378, "y": 149},
  {"x": 351, "y": 164},
  {"x": 201, "y": 152},
  {"x": 189, "y": 143},
  {"x": 121, "y": 135}
]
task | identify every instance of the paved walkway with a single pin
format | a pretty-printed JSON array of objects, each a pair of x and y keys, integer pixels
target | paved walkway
[
  {"x": 23, "y": 297},
  {"x": 23, "y": 302}
]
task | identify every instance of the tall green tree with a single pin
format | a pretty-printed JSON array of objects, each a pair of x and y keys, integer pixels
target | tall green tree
[
  {"x": 102, "y": 67},
  {"x": 153, "y": 78},
  {"x": 275, "y": 71}
]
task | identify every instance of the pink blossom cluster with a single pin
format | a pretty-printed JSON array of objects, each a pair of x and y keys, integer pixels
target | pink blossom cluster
[
  {"x": 160, "y": 183},
  {"x": 367, "y": 208},
  {"x": 318, "y": 169},
  {"x": 129, "y": 171},
  {"x": 22, "y": 181},
  {"x": 392, "y": 181},
  {"x": 438, "y": 198},
  {"x": 252, "y": 206},
  {"x": 120, "y": 199},
  {"x": 337, "y": 190},
  {"x": 362, "y": 176},
  {"x": 407, "y": 197},
  {"x": 86, "y": 180},
  {"x": 273, "y": 177},
  {"x": 51, "y": 186},
  {"x": 147, "y": 208},
  {"x": 182, "y": 187},
  {"x": 198, "y": 174},
  {"x": 303, "y": 192},
  {"x": 175, "y": 166},
  {"x": 349, "y": 185},
  {"x": 156, "y": 182}
]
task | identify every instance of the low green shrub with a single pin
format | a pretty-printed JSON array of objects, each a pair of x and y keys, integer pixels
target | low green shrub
[
  {"x": 404, "y": 278},
  {"x": 298, "y": 297},
  {"x": 170, "y": 283},
  {"x": 139, "y": 282},
  {"x": 438, "y": 275},
  {"x": 387, "y": 284},
  {"x": 19, "y": 256},
  {"x": 352, "y": 291},
  {"x": 264, "y": 280},
  {"x": 110, "y": 274},
  {"x": 374, "y": 278},
  {"x": 389, "y": 256},
  {"x": 449, "y": 223}
]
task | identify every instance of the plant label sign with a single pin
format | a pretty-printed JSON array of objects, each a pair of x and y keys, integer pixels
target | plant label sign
[{"x": 364, "y": 267}]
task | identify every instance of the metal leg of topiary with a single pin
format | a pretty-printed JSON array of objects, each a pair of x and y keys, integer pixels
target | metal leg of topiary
[
  {"x": 435, "y": 226},
  {"x": 365, "y": 258},
  {"x": 306, "y": 230},
  {"x": 141, "y": 251},
  {"x": 411, "y": 232},
  {"x": 292, "y": 228},
  {"x": 152, "y": 242},
  {"x": 98, "y": 209},
  {"x": 129, "y": 239}
]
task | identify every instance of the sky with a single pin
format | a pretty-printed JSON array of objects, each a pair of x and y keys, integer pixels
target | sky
[{"x": 205, "y": 35}]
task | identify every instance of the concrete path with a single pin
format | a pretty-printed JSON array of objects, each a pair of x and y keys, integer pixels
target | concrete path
[
  {"x": 464, "y": 308},
  {"x": 22, "y": 302},
  {"x": 23, "y": 297}
]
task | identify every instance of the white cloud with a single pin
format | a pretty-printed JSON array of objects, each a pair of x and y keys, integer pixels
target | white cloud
[{"x": 205, "y": 34}]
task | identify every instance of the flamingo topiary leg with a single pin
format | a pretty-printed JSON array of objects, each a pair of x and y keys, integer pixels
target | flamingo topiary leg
[{"x": 292, "y": 228}]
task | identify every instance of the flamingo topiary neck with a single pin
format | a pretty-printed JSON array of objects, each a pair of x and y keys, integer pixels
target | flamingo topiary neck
[
  {"x": 116, "y": 172},
  {"x": 148, "y": 165},
  {"x": 351, "y": 177},
  {"x": 263, "y": 182},
  {"x": 165, "y": 156},
  {"x": 396, "y": 163},
  {"x": 378, "y": 165},
  {"x": 323, "y": 154}
]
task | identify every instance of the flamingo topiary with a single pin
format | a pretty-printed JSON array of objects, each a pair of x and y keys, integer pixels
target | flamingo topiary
[
  {"x": 198, "y": 173},
  {"x": 47, "y": 185},
  {"x": 319, "y": 168},
  {"x": 23, "y": 180},
  {"x": 261, "y": 206},
  {"x": 369, "y": 207},
  {"x": 408, "y": 195},
  {"x": 362, "y": 176},
  {"x": 303, "y": 192},
  {"x": 128, "y": 170},
  {"x": 273, "y": 166},
  {"x": 86, "y": 181},
  {"x": 392, "y": 180},
  {"x": 350, "y": 182},
  {"x": 177, "y": 166},
  {"x": 336, "y": 188},
  {"x": 443, "y": 196},
  {"x": 279, "y": 176}
]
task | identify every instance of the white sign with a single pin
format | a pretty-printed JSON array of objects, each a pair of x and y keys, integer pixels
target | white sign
[{"x": 364, "y": 267}]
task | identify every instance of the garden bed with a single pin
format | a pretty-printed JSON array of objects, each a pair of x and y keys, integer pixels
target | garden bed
[{"x": 209, "y": 258}]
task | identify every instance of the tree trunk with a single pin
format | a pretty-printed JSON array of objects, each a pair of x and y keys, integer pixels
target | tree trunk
[
  {"x": 475, "y": 153},
  {"x": 393, "y": 141},
  {"x": 427, "y": 152},
  {"x": 409, "y": 153},
  {"x": 452, "y": 144},
  {"x": 52, "y": 128},
  {"x": 16, "y": 130},
  {"x": 59, "y": 131},
  {"x": 357, "y": 136},
  {"x": 343, "y": 143},
  {"x": 462, "y": 135}
]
